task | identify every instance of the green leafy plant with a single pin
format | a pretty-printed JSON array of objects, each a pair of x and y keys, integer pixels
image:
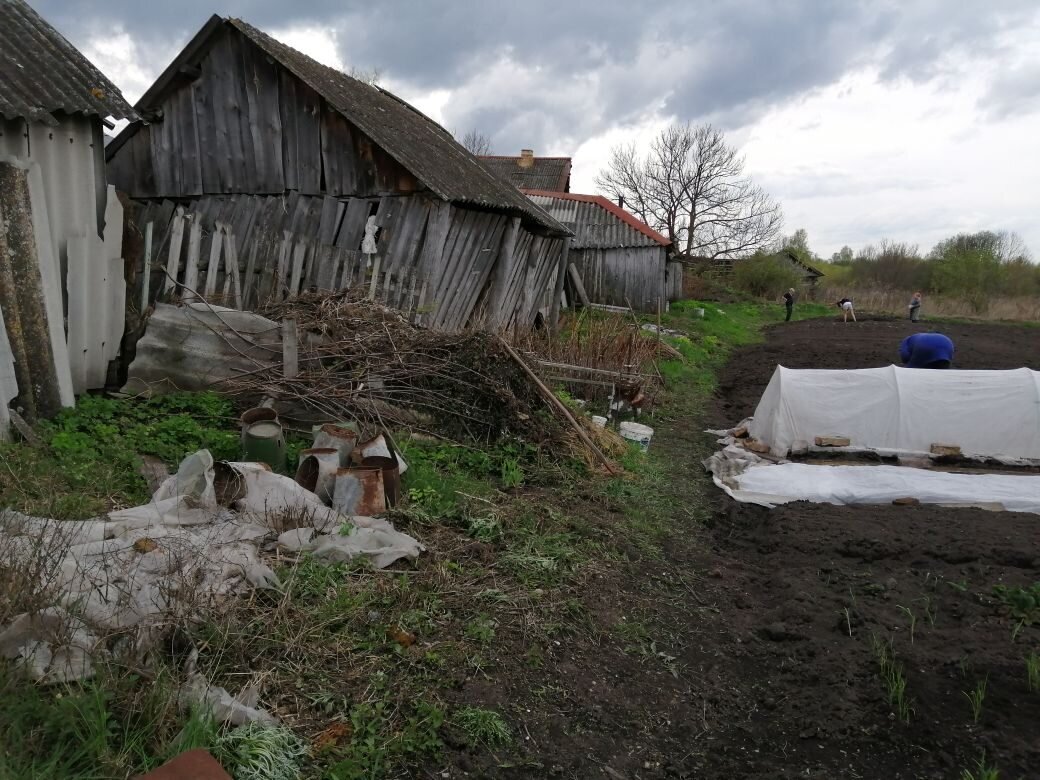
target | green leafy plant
[
  {"x": 892, "y": 677},
  {"x": 913, "y": 620},
  {"x": 1023, "y": 604},
  {"x": 481, "y": 629},
  {"x": 975, "y": 698},
  {"x": 929, "y": 609},
  {"x": 1033, "y": 671},
  {"x": 482, "y": 727},
  {"x": 512, "y": 474},
  {"x": 257, "y": 751},
  {"x": 980, "y": 770}
]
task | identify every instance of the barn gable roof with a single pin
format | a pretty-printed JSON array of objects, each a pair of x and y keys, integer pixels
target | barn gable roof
[
  {"x": 418, "y": 143},
  {"x": 551, "y": 174},
  {"x": 598, "y": 222},
  {"x": 41, "y": 73}
]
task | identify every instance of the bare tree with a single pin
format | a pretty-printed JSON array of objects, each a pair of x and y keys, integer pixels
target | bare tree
[
  {"x": 368, "y": 76},
  {"x": 691, "y": 186},
  {"x": 476, "y": 142}
]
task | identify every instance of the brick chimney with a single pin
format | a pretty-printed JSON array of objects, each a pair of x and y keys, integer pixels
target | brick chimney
[{"x": 526, "y": 158}]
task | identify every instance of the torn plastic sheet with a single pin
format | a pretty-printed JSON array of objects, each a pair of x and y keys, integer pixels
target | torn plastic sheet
[
  {"x": 752, "y": 479},
  {"x": 198, "y": 539}
]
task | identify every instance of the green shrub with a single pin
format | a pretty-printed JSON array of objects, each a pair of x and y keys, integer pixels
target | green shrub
[{"x": 765, "y": 276}]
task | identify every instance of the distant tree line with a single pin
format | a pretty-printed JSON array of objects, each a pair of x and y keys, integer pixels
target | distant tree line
[{"x": 972, "y": 267}]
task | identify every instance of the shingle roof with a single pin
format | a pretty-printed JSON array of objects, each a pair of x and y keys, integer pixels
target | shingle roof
[
  {"x": 418, "y": 143},
  {"x": 552, "y": 174},
  {"x": 597, "y": 221},
  {"x": 42, "y": 73}
]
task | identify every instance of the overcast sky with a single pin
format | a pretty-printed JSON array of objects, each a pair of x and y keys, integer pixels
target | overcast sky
[{"x": 909, "y": 120}]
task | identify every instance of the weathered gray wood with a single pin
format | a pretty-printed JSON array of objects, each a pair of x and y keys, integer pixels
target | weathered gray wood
[
  {"x": 377, "y": 261},
  {"x": 284, "y": 259},
  {"x": 191, "y": 264},
  {"x": 337, "y": 154},
  {"x": 561, "y": 275},
  {"x": 497, "y": 315},
  {"x": 579, "y": 287},
  {"x": 299, "y": 256},
  {"x": 188, "y": 153},
  {"x": 173, "y": 263},
  {"x": 352, "y": 229},
  {"x": 231, "y": 268},
  {"x": 290, "y": 349},
  {"x": 215, "y": 246},
  {"x": 478, "y": 271}
]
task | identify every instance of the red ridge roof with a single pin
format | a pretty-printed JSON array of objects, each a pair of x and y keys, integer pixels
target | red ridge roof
[{"x": 628, "y": 218}]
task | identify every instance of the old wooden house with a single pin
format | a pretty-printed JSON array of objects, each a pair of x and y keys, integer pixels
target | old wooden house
[
  {"x": 265, "y": 173},
  {"x": 528, "y": 172},
  {"x": 61, "y": 280},
  {"x": 619, "y": 259}
]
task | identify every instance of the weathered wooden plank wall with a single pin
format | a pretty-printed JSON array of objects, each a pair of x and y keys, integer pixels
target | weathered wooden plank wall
[
  {"x": 246, "y": 125},
  {"x": 623, "y": 276}
]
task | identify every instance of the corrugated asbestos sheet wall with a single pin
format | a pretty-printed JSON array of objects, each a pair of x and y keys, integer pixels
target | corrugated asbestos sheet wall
[
  {"x": 58, "y": 173},
  {"x": 593, "y": 226},
  {"x": 439, "y": 263}
]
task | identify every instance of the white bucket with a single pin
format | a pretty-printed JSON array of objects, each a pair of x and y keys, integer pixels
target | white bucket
[
  {"x": 698, "y": 313},
  {"x": 638, "y": 433},
  {"x": 598, "y": 421}
]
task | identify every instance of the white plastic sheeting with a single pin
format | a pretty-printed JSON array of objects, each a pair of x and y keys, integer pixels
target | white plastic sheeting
[
  {"x": 199, "y": 538},
  {"x": 985, "y": 413}
]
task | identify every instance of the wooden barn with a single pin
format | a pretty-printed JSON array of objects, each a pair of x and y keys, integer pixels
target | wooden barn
[
  {"x": 620, "y": 260},
  {"x": 265, "y": 173}
]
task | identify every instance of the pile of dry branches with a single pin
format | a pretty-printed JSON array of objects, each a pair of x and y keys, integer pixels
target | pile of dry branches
[{"x": 364, "y": 362}]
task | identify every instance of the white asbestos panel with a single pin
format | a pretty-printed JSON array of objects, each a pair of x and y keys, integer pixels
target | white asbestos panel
[
  {"x": 985, "y": 413},
  {"x": 66, "y": 157},
  {"x": 50, "y": 276},
  {"x": 8, "y": 383}
]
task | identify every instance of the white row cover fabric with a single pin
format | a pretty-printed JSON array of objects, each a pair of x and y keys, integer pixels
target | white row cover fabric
[
  {"x": 784, "y": 482},
  {"x": 198, "y": 539},
  {"x": 985, "y": 413}
]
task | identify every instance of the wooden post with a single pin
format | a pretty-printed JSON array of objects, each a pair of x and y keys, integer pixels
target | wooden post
[
  {"x": 376, "y": 264},
  {"x": 290, "y": 350},
  {"x": 579, "y": 287},
  {"x": 503, "y": 273},
  {"x": 173, "y": 263},
  {"x": 561, "y": 273},
  {"x": 214, "y": 259},
  {"x": 146, "y": 282},
  {"x": 231, "y": 267},
  {"x": 283, "y": 265},
  {"x": 191, "y": 264}
]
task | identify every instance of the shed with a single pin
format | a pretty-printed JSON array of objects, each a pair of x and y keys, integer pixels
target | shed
[
  {"x": 528, "y": 172},
  {"x": 620, "y": 260},
  {"x": 810, "y": 275},
  {"x": 266, "y": 173},
  {"x": 61, "y": 242}
]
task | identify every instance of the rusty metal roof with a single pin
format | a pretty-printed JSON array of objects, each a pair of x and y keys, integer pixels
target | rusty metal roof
[
  {"x": 551, "y": 174},
  {"x": 597, "y": 222},
  {"x": 41, "y": 73}
]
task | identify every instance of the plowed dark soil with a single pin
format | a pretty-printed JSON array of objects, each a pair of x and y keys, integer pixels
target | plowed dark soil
[
  {"x": 811, "y": 589},
  {"x": 747, "y": 650}
]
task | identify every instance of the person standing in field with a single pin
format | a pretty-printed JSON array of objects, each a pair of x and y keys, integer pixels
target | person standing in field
[
  {"x": 926, "y": 350},
  {"x": 915, "y": 307},
  {"x": 789, "y": 304},
  {"x": 845, "y": 304}
]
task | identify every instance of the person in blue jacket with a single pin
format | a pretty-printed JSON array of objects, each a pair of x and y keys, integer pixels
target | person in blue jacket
[{"x": 926, "y": 350}]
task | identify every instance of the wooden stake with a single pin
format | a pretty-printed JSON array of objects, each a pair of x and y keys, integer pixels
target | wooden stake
[{"x": 557, "y": 404}]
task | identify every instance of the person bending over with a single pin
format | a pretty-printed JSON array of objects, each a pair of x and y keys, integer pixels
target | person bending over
[
  {"x": 926, "y": 350},
  {"x": 845, "y": 304}
]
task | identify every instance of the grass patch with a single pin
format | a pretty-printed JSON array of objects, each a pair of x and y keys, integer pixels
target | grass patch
[{"x": 481, "y": 727}]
